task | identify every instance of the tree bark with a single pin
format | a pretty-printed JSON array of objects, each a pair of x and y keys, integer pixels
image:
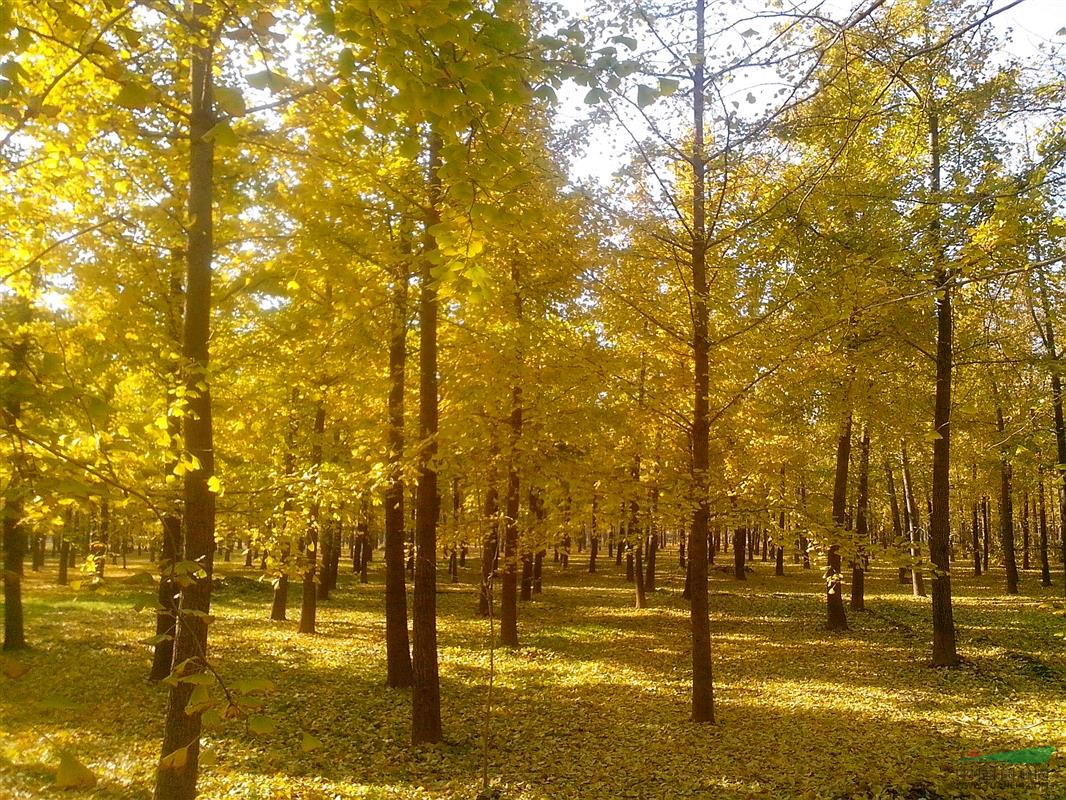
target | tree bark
[
  {"x": 163, "y": 657},
  {"x": 309, "y": 601},
  {"x": 862, "y": 525},
  {"x": 425, "y": 694},
  {"x": 944, "y": 653},
  {"x": 1045, "y": 567},
  {"x": 836, "y": 617},
  {"x": 1006, "y": 506},
  {"x": 702, "y": 671},
  {"x": 910, "y": 519},
  {"x": 181, "y": 729}
]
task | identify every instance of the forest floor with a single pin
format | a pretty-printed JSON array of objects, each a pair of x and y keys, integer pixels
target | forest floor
[{"x": 593, "y": 705}]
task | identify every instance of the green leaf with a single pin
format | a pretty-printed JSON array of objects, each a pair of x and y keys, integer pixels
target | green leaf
[
  {"x": 346, "y": 62},
  {"x": 200, "y": 700},
  {"x": 667, "y": 86},
  {"x": 258, "y": 724},
  {"x": 198, "y": 679},
  {"x": 231, "y": 101},
  {"x": 253, "y": 686},
  {"x": 133, "y": 95},
  {"x": 595, "y": 96},
  {"x": 265, "y": 80},
  {"x": 309, "y": 743},
  {"x": 628, "y": 41},
  {"x": 546, "y": 92},
  {"x": 221, "y": 134},
  {"x": 646, "y": 95}
]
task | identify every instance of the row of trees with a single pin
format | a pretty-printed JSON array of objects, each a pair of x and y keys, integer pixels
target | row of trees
[{"x": 827, "y": 306}]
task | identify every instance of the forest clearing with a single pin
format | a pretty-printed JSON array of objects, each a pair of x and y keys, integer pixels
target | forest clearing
[
  {"x": 591, "y": 706},
  {"x": 499, "y": 399}
]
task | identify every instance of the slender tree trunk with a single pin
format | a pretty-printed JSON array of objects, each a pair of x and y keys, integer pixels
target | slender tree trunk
[
  {"x": 425, "y": 695},
  {"x": 836, "y": 617},
  {"x": 911, "y": 520},
  {"x": 1006, "y": 506},
  {"x": 1025, "y": 529},
  {"x": 944, "y": 653},
  {"x": 976, "y": 529},
  {"x": 649, "y": 568},
  {"x": 862, "y": 525},
  {"x": 14, "y": 532},
  {"x": 167, "y": 614},
  {"x": 490, "y": 542},
  {"x": 309, "y": 601},
  {"x": 1045, "y": 567},
  {"x": 986, "y": 529},
  {"x": 740, "y": 535},
  {"x": 594, "y": 538},
  {"x": 509, "y": 584},
  {"x": 64, "y": 558},
  {"x": 702, "y": 672},
  {"x": 181, "y": 730}
]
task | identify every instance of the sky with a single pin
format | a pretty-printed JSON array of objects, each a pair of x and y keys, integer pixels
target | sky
[{"x": 1030, "y": 25}]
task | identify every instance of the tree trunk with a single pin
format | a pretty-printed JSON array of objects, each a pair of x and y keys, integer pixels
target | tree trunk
[
  {"x": 1025, "y": 529},
  {"x": 1006, "y": 506},
  {"x": 309, "y": 601},
  {"x": 181, "y": 729},
  {"x": 594, "y": 539},
  {"x": 986, "y": 529},
  {"x": 425, "y": 694},
  {"x": 509, "y": 583},
  {"x": 1045, "y": 567},
  {"x": 836, "y": 617},
  {"x": 862, "y": 529},
  {"x": 167, "y": 614},
  {"x": 910, "y": 519},
  {"x": 490, "y": 542},
  {"x": 740, "y": 536},
  {"x": 702, "y": 672},
  {"x": 940, "y": 518},
  {"x": 652, "y": 550}
]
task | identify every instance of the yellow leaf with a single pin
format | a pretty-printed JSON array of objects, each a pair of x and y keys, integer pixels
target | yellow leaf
[
  {"x": 175, "y": 760},
  {"x": 72, "y": 774}
]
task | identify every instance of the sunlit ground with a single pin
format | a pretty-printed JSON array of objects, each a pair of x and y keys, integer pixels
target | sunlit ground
[{"x": 594, "y": 705}]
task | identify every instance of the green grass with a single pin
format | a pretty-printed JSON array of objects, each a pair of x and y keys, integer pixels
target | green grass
[{"x": 594, "y": 705}]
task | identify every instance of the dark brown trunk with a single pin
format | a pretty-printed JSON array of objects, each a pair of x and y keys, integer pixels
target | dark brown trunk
[
  {"x": 836, "y": 617},
  {"x": 509, "y": 583},
  {"x": 167, "y": 613},
  {"x": 397, "y": 641},
  {"x": 740, "y": 536},
  {"x": 649, "y": 569},
  {"x": 1045, "y": 567},
  {"x": 594, "y": 538},
  {"x": 944, "y": 653},
  {"x": 181, "y": 730},
  {"x": 862, "y": 524},
  {"x": 1006, "y": 505},
  {"x": 975, "y": 529},
  {"x": 1025, "y": 530},
  {"x": 491, "y": 541},
  {"x": 425, "y": 694},
  {"x": 309, "y": 600},
  {"x": 702, "y": 672}
]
